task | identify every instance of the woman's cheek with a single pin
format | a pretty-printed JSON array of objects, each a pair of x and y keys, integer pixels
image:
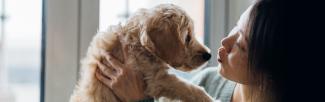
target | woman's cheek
[
  {"x": 235, "y": 61},
  {"x": 231, "y": 60}
]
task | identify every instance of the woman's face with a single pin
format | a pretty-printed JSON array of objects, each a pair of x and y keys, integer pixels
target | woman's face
[{"x": 233, "y": 53}]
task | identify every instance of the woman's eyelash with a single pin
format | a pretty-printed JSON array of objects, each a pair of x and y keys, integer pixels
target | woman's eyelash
[{"x": 240, "y": 47}]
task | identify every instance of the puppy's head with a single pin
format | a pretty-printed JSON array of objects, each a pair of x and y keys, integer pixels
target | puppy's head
[{"x": 168, "y": 33}]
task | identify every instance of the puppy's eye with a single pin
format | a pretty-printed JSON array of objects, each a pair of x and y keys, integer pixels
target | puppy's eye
[{"x": 188, "y": 39}]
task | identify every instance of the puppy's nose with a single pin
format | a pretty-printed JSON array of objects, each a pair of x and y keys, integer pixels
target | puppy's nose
[{"x": 206, "y": 56}]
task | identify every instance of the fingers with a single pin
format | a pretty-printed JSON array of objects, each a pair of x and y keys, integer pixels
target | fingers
[
  {"x": 116, "y": 64},
  {"x": 106, "y": 69},
  {"x": 105, "y": 80},
  {"x": 124, "y": 46}
]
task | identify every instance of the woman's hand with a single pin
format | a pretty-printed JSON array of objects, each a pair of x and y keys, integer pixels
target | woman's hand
[{"x": 126, "y": 83}]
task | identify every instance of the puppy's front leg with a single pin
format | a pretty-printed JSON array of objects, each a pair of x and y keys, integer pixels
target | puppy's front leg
[{"x": 171, "y": 87}]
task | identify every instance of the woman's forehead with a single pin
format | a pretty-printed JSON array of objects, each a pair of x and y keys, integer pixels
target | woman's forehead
[{"x": 243, "y": 20}]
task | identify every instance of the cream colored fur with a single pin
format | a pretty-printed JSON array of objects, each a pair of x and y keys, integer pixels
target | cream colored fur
[{"x": 156, "y": 39}]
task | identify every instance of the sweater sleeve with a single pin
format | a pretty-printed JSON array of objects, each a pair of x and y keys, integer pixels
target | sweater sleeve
[
  {"x": 214, "y": 84},
  {"x": 147, "y": 100}
]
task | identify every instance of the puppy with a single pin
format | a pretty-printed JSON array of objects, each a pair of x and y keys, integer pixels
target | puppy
[{"x": 152, "y": 41}]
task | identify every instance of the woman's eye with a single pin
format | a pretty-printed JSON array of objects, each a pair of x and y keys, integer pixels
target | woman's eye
[
  {"x": 188, "y": 39},
  {"x": 240, "y": 47}
]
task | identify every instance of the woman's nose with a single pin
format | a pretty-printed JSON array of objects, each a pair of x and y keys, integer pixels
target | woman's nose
[
  {"x": 226, "y": 43},
  {"x": 223, "y": 41}
]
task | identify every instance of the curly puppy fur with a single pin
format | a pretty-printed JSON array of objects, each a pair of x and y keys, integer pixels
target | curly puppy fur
[{"x": 156, "y": 39}]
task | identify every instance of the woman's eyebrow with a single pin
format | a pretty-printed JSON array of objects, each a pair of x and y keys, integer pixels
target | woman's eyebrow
[{"x": 245, "y": 37}]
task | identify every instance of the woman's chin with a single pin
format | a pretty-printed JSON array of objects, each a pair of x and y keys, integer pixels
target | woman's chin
[{"x": 222, "y": 71}]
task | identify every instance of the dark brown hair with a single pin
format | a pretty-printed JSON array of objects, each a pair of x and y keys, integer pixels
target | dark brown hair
[{"x": 266, "y": 51}]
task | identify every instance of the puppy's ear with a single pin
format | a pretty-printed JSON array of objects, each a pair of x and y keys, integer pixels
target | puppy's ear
[
  {"x": 146, "y": 42},
  {"x": 161, "y": 36}
]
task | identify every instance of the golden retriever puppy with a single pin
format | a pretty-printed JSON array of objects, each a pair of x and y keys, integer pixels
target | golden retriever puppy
[{"x": 152, "y": 41}]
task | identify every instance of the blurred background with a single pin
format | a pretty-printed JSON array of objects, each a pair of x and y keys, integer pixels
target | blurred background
[{"x": 43, "y": 41}]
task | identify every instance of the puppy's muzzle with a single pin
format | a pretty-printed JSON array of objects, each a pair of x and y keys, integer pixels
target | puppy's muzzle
[{"x": 206, "y": 56}]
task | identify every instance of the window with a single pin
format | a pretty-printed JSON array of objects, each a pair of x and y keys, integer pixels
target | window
[{"x": 20, "y": 43}]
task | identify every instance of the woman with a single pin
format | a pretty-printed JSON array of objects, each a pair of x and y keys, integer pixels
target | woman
[{"x": 249, "y": 60}]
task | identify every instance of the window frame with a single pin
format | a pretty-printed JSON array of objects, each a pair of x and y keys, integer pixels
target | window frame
[
  {"x": 68, "y": 27},
  {"x": 215, "y": 22}
]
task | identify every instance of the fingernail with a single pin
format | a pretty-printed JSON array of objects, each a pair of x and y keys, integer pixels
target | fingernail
[
  {"x": 108, "y": 54},
  {"x": 108, "y": 57},
  {"x": 102, "y": 52},
  {"x": 98, "y": 64}
]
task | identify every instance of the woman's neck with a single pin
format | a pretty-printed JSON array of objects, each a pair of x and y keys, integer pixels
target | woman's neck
[{"x": 241, "y": 93}]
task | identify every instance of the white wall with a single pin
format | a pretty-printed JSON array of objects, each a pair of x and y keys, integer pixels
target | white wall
[
  {"x": 222, "y": 16},
  {"x": 236, "y": 8},
  {"x": 69, "y": 27}
]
